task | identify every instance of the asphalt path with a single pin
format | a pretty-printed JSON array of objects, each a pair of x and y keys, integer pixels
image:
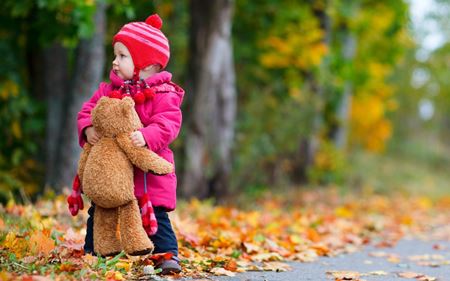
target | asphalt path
[{"x": 429, "y": 259}]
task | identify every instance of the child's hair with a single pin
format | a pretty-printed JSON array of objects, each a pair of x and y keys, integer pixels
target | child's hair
[{"x": 146, "y": 43}]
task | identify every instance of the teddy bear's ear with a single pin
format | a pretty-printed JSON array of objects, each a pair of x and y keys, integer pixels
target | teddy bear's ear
[
  {"x": 128, "y": 105},
  {"x": 102, "y": 100},
  {"x": 101, "y": 103}
]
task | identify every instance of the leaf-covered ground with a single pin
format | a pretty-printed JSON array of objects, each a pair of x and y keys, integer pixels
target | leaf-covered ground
[{"x": 42, "y": 241}]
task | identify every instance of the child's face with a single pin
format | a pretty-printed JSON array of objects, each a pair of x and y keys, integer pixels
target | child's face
[{"x": 123, "y": 64}]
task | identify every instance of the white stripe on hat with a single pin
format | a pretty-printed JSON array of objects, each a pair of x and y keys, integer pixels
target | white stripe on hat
[
  {"x": 145, "y": 41},
  {"x": 142, "y": 32}
]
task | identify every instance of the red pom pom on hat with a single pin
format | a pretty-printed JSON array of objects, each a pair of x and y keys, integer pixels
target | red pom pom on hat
[
  {"x": 139, "y": 98},
  {"x": 155, "y": 21},
  {"x": 149, "y": 93}
]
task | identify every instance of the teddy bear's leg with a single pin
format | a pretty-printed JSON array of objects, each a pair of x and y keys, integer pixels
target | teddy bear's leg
[
  {"x": 134, "y": 239},
  {"x": 106, "y": 242}
]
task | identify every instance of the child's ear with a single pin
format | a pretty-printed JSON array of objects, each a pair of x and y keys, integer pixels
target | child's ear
[
  {"x": 155, "y": 67},
  {"x": 128, "y": 105}
]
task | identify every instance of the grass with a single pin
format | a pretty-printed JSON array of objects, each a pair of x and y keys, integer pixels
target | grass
[{"x": 419, "y": 166}]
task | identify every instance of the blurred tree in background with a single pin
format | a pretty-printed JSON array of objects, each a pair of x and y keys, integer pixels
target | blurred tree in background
[{"x": 317, "y": 82}]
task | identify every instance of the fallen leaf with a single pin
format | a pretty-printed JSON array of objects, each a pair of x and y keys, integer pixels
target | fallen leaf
[
  {"x": 313, "y": 235},
  {"x": 222, "y": 271},
  {"x": 306, "y": 256},
  {"x": 415, "y": 275},
  {"x": 124, "y": 265},
  {"x": 17, "y": 245},
  {"x": 68, "y": 267},
  {"x": 90, "y": 259},
  {"x": 267, "y": 257},
  {"x": 251, "y": 248},
  {"x": 345, "y": 275},
  {"x": 377, "y": 273},
  {"x": 439, "y": 247},
  {"x": 114, "y": 276},
  {"x": 231, "y": 265},
  {"x": 40, "y": 242},
  {"x": 276, "y": 266}
]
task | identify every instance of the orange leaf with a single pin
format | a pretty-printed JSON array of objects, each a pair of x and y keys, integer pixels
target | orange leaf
[
  {"x": 40, "y": 242},
  {"x": 68, "y": 267},
  {"x": 231, "y": 265},
  {"x": 312, "y": 235}
]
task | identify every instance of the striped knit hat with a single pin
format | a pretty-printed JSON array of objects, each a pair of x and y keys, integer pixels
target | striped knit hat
[{"x": 146, "y": 42}]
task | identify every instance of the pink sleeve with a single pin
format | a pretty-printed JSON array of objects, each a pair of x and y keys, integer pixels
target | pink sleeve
[
  {"x": 84, "y": 116},
  {"x": 165, "y": 122}
]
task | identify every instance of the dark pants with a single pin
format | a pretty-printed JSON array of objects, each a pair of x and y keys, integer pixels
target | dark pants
[{"x": 164, "y": 239}]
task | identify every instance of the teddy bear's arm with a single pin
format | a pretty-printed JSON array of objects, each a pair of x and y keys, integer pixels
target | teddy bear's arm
[
  {"x": 83, "y": 158},
  {"x": 144, "y": 158}
]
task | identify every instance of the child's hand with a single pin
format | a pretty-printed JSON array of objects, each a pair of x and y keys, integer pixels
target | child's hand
[
  {"x": 137, "y": 139},
  {"x": 92, "y": 135}
]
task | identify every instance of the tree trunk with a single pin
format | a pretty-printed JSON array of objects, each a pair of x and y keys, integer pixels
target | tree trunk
[
  {"x": 308, "y": 145},
  {"x": 55, "y": 61},
  {"x": 90, "y": 60},
  {"x": 213, "y": 101},
  {"x": 339, "y": 130},
  {"x": 340, "y": 133}
]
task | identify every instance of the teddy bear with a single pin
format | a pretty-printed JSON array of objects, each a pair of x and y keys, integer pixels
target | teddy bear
[{"x": 105, "y": 171}]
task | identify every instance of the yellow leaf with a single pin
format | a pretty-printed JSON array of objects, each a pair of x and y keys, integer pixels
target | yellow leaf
[
  {"x": 124, "y": 265},
  {"x": 343, "y": 212},
  {"x": 4, "y": 276},
  {"x": 16, "y": 130},
  {"x": 425, "y": 203},
  {"x": 114, "y": 276},
  {"x": 267, "y": 257},
  {"x": 16, "y": 245},
  {"x": 345, "y": 275}
]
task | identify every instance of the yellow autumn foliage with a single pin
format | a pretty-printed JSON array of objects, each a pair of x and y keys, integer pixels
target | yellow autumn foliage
[
  {"x": 368, "y": 122},
  {"x": 8, "y": 89},
  {"x": 294, "y": 48},
  {"x": 373, "y": 99}
]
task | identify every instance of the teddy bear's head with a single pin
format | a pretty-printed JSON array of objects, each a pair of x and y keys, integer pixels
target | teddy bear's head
[{"x": 114, "y": 116}]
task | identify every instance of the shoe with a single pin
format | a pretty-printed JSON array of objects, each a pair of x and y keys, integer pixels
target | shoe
[{"x": 171, "y": 266}]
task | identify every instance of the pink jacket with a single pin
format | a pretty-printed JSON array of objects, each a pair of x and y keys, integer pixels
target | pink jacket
[{"x": 162, "y": 121}]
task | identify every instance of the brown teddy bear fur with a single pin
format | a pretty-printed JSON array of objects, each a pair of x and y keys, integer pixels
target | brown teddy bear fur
[{"x": 106, "y": 173}]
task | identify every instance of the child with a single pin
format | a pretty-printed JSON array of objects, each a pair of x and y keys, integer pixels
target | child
[{"x": 141, "y": 52}]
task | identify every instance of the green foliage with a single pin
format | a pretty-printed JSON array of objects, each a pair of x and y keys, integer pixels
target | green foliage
[
  {"x": 330, "y": 165},
  {"x": 25, "y": 28},
  {"x": 48, "y": 20},
  {"x": 22, "y": 127}
]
